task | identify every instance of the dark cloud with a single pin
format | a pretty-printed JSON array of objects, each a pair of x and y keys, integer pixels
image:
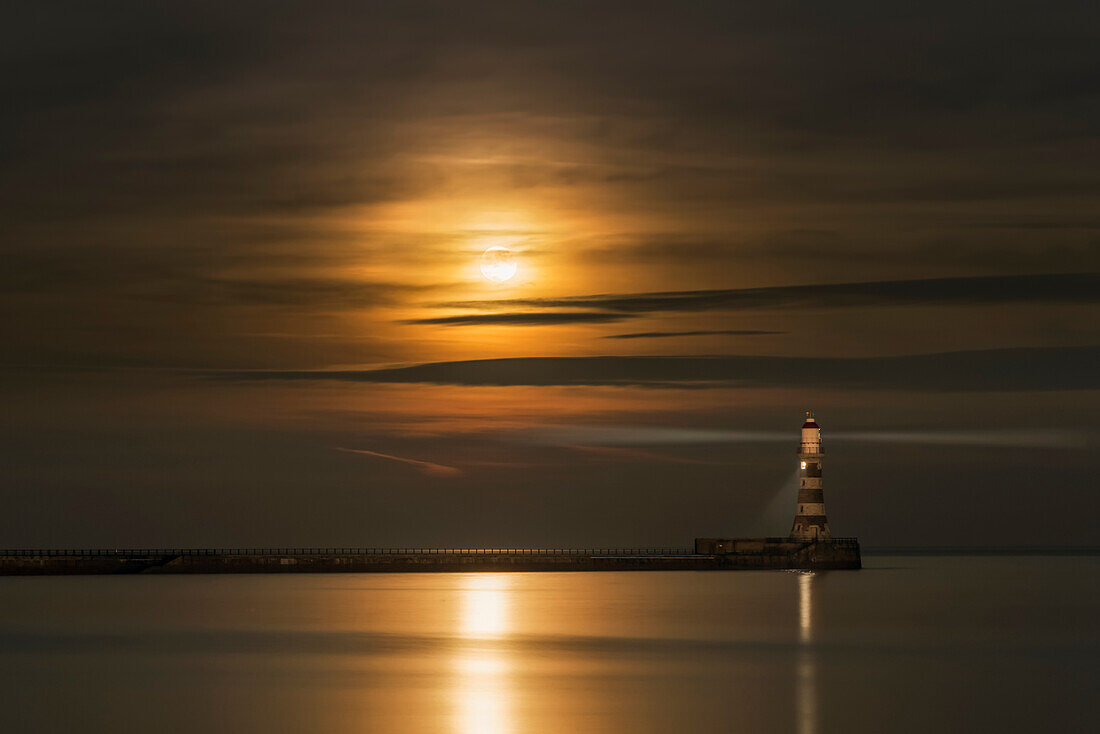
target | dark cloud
[
  {"x": 1073, "y": 288},
  {"x": 188, "y": 276},
  {"x": 339, "y": 293},
  {"x": 533, "y": 319},
  {"x": 1033, "y": 224},
  {"x": 252, "y": 108},
  {"x": 951, "y": 246},
  {"x": 1023, "y": 369},
  {"x": 668, "y": 334}
]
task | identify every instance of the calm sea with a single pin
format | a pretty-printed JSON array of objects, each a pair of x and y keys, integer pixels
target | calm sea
[{"x": 909, "y": 644}]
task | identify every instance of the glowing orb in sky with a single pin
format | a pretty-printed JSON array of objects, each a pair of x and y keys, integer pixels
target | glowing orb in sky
[{"x": 498, "y": 264}]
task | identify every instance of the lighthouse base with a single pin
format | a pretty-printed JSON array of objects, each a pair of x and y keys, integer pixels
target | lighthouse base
[{"x": 782, "y": 553}]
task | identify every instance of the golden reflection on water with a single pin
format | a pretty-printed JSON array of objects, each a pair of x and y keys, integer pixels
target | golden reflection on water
[
  {"x": 805, "y": 607},
  {"x": 806, "y": 684},
  {"x": 482, "y": 669}
]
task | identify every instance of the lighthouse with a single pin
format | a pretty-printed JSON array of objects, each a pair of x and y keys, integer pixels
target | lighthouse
[{"x": 810, "y": 522}]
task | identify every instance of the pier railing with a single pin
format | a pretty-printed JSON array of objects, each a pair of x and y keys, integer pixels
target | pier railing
[
  {"x": 147, "y": 552},
  {"x": 285, "y": 551}
]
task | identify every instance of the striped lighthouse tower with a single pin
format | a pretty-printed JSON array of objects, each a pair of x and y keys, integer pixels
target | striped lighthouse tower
[{"x": 810, "y": 522}]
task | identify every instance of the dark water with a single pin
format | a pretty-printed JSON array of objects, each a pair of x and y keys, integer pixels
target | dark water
[{"x": 910, "y": 644}]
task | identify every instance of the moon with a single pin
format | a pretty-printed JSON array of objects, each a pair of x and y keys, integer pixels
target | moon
[{"x": 498, "y": 264}]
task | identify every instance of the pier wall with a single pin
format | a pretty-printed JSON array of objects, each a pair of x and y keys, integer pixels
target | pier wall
[
  {"x": 743, "y": 554},
  {"x": 792, "y": 553}
]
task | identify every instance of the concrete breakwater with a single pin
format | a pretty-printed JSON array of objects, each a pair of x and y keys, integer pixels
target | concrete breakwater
[{"x": 708, "y": 555}]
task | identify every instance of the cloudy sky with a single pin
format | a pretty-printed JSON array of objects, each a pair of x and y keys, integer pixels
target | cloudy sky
[{"x": 243, "y": 305}]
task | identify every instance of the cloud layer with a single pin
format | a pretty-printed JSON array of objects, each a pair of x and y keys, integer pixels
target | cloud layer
[
  {"x": 1071, "y": 288},
  {"x": 711, "y": 332},
  {"x": 535, "y": 318},
  {"x": 1022, "y": 369}
]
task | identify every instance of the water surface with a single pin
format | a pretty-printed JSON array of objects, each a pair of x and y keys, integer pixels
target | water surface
[{"x": 909, "y": 644}]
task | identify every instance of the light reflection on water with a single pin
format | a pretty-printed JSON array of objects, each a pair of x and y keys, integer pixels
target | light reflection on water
[
  {"x": 600, "y": 653},
  {"x": 806, "y": 683},
  {"x": 482, "y": 671}
]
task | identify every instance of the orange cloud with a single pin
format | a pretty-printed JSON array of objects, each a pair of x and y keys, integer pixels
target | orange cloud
[{"x": 427, "y": 467}]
